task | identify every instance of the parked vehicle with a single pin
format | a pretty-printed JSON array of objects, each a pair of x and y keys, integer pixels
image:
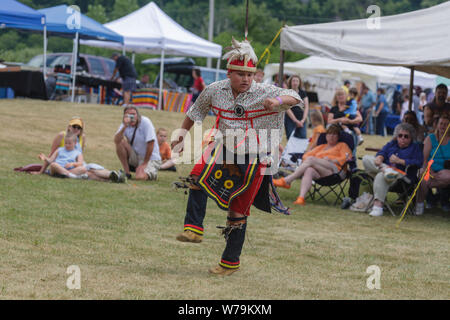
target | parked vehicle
[
  {"x": 178, "y": 73},
  {"x": 93, "y": 65}
]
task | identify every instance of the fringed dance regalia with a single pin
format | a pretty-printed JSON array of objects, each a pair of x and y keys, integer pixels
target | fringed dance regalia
[{"x": 234, "y": 179}]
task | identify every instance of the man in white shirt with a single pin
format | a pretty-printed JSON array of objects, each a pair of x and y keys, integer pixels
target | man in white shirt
[{"x": 136, "y": 146}]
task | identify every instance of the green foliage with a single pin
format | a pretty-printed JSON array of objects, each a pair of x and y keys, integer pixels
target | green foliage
[
  {"x": 122, "y": 8},
  {"x": 97, "y": 12}
]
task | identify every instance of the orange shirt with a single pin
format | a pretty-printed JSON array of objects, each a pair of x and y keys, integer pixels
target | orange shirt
[
  {"x": 164, "y": 151},
  {"x": 339, "y": 152},
  {"x": 316, "y": 133}
]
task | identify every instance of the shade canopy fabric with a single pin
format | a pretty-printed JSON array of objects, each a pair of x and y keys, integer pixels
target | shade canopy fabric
[
  {"x": 14, "y": 14},
  {"x": 59, "y": 21},
  {"x": 150, "y": 30},
  {"x": 342, "y": 70},
  {"x": 420, "y": 38}
]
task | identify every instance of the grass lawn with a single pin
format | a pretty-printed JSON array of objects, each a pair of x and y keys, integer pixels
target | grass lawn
[{"x": 122, "y": 236}]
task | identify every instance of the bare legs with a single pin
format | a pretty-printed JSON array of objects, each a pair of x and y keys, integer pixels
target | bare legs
[
  {"x": 57, "y": 169},
  {"x": 311, "y": 169},
  {"x": 123, "y": 150}
]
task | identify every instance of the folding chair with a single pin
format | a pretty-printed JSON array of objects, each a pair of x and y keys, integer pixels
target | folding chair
[
  {"x": 293, "y": 152},
  {"x": 336, "y": 183},
  {"x": 403, "y": 188}
]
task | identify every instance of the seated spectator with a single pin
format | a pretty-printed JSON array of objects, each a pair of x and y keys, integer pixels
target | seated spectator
[
  {"x": 318, "y": 128},
  {"x": 66, "y": 161},
  {"x": 165, "y": 151},
  {"x": 322, "y": 161},
  {"x": 440, "y": 169},
  {"x": 411, "y": 118},
  {"x": 94, "y": 171},
  {"x": 390, "y": 163},
  {"x": 136, "y": 145},
  {"x": 436, "y": 108},
  {"x": 76, "y": 127},
  {"x": 337, "y": 113}
]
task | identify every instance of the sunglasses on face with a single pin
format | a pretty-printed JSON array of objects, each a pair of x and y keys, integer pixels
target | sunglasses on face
[
  {"x": 76, "y": 127},
  {"x": 400, "y": 135}
]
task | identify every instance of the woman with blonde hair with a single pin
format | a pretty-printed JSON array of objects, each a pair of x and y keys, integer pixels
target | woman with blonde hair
[{"x": 76, "y": 127}]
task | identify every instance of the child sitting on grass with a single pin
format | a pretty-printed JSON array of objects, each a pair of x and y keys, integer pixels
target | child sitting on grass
[
  {"x": 65, "y": 161},
  {"x": 165, "y": 151}
]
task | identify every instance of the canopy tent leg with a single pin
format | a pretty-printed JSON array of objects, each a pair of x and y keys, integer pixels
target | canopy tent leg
[
  {"x": 161, "y": 75},
  {"x": 281, "y": 70},
  {"x": 217, "y": 69},
  {"x": 44, "y": 66},
  {"x": 123, "y": 49},
  {"x": 74, "y": 65},
  {"x": 411, "y": 84}
]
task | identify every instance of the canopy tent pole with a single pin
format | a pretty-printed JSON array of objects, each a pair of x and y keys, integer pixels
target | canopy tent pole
[
  {"x": 411, "y": 84},
  {"x": 161, "y": 75},
  {"x": 132, "y": 57},
  {"x": 123, "y": 49},
  {"x": 44, "y": 66},
  {"x": 217, "y": 69},
  {"x": 74, "y": 65},
  {"x": 281, "y": 70}
]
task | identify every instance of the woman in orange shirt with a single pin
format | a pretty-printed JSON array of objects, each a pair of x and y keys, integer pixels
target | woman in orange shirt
[{"x": 322, "y": 161}]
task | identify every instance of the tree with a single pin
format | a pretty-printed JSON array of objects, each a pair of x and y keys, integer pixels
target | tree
[
  {"x": 97, "y": 12},
  {"x": 122, "y": 8}
]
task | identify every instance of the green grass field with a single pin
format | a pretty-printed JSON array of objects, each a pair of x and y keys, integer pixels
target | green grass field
[{"x": 122, "y": 236}]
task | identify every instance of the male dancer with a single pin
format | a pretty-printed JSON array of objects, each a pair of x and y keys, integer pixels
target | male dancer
[{"x": 239, "y": 104}]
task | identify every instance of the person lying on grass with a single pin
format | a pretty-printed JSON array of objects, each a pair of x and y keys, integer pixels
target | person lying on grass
[{"x": 65, "y": 161}]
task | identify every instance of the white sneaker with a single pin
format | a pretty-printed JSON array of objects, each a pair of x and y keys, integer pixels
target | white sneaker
[
  {"x": 419, "y": 209},
  {"x": 360, "y": 140},
  {"x": 376, "y": 211}
]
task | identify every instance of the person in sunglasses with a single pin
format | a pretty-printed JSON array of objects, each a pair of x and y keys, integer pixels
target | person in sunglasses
[
  {"x": 75, "y": 127},
  {"x": 390, "y": 163}
]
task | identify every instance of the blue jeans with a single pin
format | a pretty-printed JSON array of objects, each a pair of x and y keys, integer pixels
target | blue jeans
[
  {"x": 290, "y": 126},
  {"x": 381, "y": 119}
]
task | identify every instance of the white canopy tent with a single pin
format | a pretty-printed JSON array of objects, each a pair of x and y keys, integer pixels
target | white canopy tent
[
  {"x": 329, "y": 74},
  {"x": 150, "y": 30},
  {"x": 419, "y": 40}
]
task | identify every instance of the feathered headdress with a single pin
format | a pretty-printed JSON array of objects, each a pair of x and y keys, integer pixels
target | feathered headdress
[{"x": 240, "y": 56}]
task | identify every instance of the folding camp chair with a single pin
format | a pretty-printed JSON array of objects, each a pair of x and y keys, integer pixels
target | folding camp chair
[
  {"x": 336, "y": 183},
  {"x": 292, "y": 154},
  {"x": 403, "y": 188}
]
